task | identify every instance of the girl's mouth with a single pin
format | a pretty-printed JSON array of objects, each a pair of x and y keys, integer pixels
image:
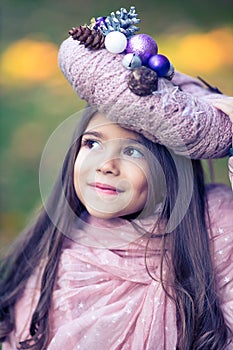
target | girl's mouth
[{"x": 105, "y": 188}]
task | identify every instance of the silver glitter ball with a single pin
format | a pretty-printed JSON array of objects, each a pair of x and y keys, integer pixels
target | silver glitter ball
[
  {"x": 170, "y": 73},
  {"x": 131, "y": 61}
]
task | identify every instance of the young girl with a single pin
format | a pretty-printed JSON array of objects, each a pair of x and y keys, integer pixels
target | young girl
[{"x": 131, "y": 250}]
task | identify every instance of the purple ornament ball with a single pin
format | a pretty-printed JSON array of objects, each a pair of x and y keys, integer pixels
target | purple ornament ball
[
  {"x": 143, "y": 46},
  {"x": 99, "y": 22},
  {"x": 160, "y": 64}
]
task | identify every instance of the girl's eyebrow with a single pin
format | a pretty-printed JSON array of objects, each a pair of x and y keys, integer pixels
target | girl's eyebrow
[
  {"x": 101, "y": 136},
  {"x": 94, "y": 133}
]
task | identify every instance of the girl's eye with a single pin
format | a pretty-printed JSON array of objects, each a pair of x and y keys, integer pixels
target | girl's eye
[
  {"x": 133, "y": 152},
  {"x": 91, "y": 144}
]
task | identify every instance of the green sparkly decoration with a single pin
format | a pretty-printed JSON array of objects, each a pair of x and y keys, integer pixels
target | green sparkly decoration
[{"x": 121, "y": 21}]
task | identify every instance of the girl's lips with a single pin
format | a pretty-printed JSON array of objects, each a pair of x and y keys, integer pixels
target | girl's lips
[{"x": 105, "y": 188}]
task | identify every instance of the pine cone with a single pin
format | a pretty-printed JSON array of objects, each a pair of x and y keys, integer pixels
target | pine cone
[
  {"x": 90, "y": 38},
  {"x": 121, "y": 21}
]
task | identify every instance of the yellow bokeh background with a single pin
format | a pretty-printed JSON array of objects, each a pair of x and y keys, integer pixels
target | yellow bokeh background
[
  {"x": 207, "y": 54},
  {"x": 29, "y": 61}
]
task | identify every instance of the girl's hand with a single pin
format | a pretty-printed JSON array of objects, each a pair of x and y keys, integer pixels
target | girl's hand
[{"x": 224, "y": 103}]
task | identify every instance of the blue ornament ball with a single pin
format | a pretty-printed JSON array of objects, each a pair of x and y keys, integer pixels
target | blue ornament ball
[
  {"x": 142, "y": 45},
  {"x": 160, "y": 64}
]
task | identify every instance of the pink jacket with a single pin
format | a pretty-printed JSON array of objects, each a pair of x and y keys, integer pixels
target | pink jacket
[{"x": 104, "y": 298}]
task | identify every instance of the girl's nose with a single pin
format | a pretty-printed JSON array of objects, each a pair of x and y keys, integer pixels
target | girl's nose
[{"x": 110, "y": 166}]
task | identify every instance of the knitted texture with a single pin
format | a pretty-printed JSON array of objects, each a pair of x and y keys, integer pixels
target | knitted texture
[{"x": 179, "y": 115}]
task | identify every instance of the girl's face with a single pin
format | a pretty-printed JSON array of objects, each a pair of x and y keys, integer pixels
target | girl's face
[{"x": 110, "y": 172}]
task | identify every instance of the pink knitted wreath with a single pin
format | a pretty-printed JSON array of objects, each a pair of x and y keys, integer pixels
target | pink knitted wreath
[{"x": 180, "y": 114}]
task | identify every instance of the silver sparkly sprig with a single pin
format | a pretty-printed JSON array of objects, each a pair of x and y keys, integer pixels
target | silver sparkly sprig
[{"x": 121, "y": 21}]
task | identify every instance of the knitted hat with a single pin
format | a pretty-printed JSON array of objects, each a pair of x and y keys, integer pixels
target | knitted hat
[{"x": 138, "y": 88}]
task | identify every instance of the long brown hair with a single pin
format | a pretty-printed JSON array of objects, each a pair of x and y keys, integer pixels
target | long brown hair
[
  {"x": 190, "y": 282},
  {"x": 200, "y": 321}
]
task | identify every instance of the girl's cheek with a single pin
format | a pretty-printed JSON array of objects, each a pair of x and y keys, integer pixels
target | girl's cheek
[
  {"x": 82, "y": 158},
  {"x": 139, "y": 165}
]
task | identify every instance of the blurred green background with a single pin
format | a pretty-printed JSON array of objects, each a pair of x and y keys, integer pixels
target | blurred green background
[{"x": 196, "y": 35}]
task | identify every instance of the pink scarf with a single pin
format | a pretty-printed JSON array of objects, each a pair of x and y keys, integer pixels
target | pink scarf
[{"x": 104, "y": 297}]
